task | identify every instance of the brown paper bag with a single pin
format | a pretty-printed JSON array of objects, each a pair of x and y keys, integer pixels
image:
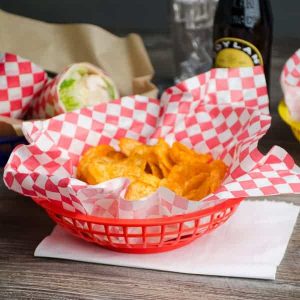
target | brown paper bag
[{"x": 54, "y": 46}]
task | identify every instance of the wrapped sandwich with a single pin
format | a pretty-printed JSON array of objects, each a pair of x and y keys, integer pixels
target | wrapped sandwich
[{"x": 80, "y": 85}]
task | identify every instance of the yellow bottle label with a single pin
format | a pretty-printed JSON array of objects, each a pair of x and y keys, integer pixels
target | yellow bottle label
[{"x": 233, "y": 52}]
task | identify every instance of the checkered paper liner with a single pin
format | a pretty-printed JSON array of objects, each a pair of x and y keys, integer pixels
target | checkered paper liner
[
  {"x": 290, "y": 83},
  {"x": 20, "y": 82},
  {"x": 224, "y": 112},
  {"x": 47, "y": 104},
  {"x": 291, "y": 70}
]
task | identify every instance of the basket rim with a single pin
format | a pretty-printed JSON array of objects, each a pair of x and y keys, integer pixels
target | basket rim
[{"x": 141, "y": 222}]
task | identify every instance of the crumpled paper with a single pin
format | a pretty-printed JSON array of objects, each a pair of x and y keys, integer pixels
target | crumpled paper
[
  {"x": 224, "y": 112},
  {"x": 20, "y": 81},
  {"x": 290, "y": 83}
]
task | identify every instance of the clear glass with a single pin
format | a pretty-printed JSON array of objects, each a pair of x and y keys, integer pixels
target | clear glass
[{"x": 192, "y": 26}]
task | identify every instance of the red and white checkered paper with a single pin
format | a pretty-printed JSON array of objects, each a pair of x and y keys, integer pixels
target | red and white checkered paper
[
  {"x": 290, "y": 83},
  {"x": 47, "y": 104},
  {"x": 20, "y": 82},
  {"x": 224, "y": 111}
]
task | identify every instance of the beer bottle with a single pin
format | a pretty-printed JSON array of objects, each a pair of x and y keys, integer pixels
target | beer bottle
[{"x": 243, "y": 34}]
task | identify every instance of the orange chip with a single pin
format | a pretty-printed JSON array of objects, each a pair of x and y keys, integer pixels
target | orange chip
[
  {"x": 220, "y": 166},
  {"x": 114, "y": 155},
  {"x": 199, "y": 193},
  {"x": 141, "y": 150},
  {"x": 184, "y": 177},
  {"x": 143, "y": 186},
  {"x": 91, "y": 155},
  {"x": 139, "y": 189},
  {"x": 188, "y": 173},
  {"x": 179, "y": 153},
  {"x": 156, "y": 171},
  {"x": 178, "y": 172},
  {"x": 136, "y": 160},
  {"x": 182, "y": 171},
  {"x": 175, "y": 179},
  {"x": 161, "y": 150},
  {"x": 127, "y": 145},
  {"x": 97, "y": 173},
  {"x": 194, "y": 182},
  {"x": 163, "y": 169},
  {"x": 176, "y": 187},
  {"x": 215, "y": 180},
  {"x": 99, "y": 151},
  {"x": 149, "y": 179}
]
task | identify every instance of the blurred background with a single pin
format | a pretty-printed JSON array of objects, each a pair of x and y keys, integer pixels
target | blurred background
[
  {"x": 142, "y": 16},
  {"x": 152, "y": 20},
  {"x": 149, "y": 18}
]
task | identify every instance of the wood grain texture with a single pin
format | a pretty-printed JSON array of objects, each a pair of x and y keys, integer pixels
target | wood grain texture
[{"x": 23, "y": 225}]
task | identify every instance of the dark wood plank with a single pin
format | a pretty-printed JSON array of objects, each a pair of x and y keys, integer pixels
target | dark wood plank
[{"x": 23, "y": 225}]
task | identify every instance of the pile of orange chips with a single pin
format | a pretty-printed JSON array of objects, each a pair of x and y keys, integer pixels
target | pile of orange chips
[{"x": 189, "y": 174}]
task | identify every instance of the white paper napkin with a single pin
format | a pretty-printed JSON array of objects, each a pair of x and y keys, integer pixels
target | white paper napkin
[{"x": 250, "y": 244}]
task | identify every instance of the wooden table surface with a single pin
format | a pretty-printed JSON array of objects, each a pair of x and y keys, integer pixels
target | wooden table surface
[{"x": 23, "y": 225}]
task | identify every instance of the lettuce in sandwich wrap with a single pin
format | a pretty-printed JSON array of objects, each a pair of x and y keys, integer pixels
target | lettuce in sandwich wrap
[{"x": 80, "y": 85}]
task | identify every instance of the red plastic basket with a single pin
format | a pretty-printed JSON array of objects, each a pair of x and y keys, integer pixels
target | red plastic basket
[{"x": 144, "y": 235}]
